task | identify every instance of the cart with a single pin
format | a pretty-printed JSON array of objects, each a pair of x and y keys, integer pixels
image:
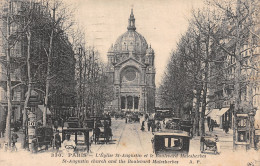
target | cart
[
  {"x": 43, "y": 138},
  {"x": 208, "y": 144}
]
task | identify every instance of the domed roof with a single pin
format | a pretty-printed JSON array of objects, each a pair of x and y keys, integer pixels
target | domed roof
[{"x": 131, "y": 40}]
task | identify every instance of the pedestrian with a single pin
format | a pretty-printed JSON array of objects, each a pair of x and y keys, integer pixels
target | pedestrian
[
  {"x": 142, "y": 127},
  {"x": 96, "y": 133},
  {"x": 125, "y": 119},
  {"x": 164, "y": 124},
  {"x": 14, "y": 140},
  {"x": 153, "y": 126},
  {"x": 109, "y": 120},
  {"x": 57, "y": 140},
  {"x": 62, "y": 123},
  {"x": 217, "y": 144},
  {"x": 56, "y": 124},
  {"x": 149, "y": 123},
  {"x": 2, "y": 128},
  {"x": 105, "y": 124},
  {"x": 208, "y": 122},
  {"x": 226, "y": 127},
  {"x": 211, "y": 125},
  {"x": 158, "y": 125},
  {"x": 146, "y": 116},
  {"x": 107, "y": 133}
]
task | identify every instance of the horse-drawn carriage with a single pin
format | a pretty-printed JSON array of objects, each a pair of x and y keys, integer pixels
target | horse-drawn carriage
[
  {"x": 103, "y": 130},
  {"x": 132, "y": 117}
]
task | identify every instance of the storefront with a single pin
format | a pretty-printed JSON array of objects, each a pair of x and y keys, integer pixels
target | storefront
[{"x": 221, "y": 116}]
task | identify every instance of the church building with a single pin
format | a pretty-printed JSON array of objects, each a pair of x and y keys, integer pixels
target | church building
[{"x": 131, "y": 71}]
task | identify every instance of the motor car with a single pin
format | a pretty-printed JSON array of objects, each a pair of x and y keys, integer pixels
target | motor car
[{"x": 176, "y": 141}]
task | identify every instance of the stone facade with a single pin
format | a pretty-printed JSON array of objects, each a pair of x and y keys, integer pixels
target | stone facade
[{"x": 131, "y": 70}]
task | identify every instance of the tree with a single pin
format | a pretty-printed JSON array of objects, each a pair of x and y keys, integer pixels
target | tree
[
  {"x": 8, "y": 70},
  {"x": 93, "y": 88},
  {"x": 238, "y": 34},
  {"x": 12, "y": 34},
  {"x": 57, "y": 26}
]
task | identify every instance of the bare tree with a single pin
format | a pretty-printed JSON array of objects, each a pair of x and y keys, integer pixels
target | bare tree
[{"x": 60, "y": 22}]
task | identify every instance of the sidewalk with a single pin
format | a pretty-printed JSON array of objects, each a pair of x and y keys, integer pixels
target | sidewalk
[
  {"x": 18, "y": 143},
  {"x": 225, "y": 140}
]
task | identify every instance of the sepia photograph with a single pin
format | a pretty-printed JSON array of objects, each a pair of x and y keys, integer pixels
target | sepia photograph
[{"x": 130, "y": 82}]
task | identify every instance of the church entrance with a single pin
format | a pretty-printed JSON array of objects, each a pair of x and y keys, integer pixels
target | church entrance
[{"x": 129, "y": 103}]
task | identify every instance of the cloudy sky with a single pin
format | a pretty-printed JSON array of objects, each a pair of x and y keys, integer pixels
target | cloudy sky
[{"x": 161, "y": 22}]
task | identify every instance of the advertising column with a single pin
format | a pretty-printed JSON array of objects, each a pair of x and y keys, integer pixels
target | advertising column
[{"x": 31, "y": 127}]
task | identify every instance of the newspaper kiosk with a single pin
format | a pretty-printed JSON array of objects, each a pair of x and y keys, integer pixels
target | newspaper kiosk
[{"x": 242, "y": 132}]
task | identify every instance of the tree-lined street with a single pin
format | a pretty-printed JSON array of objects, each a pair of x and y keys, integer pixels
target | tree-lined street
[{"x": 57, "y": 94}]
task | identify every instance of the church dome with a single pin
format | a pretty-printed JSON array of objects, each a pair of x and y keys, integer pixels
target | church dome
[{"x": 131, "y": 40}]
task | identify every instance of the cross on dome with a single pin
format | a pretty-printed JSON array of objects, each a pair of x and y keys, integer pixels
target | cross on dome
[{"x": 131, "y": 21}]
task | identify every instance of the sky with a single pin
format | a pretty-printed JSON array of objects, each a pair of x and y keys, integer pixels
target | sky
[{"x": 161, "y": 22}]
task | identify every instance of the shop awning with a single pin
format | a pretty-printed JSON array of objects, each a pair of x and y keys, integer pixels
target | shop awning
[
  {"x": 222, "y": 111},
  {"x": 213, "y": 114},
  {"x": 42, "y": 108},
  {"x": 216, "y": 113}
]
